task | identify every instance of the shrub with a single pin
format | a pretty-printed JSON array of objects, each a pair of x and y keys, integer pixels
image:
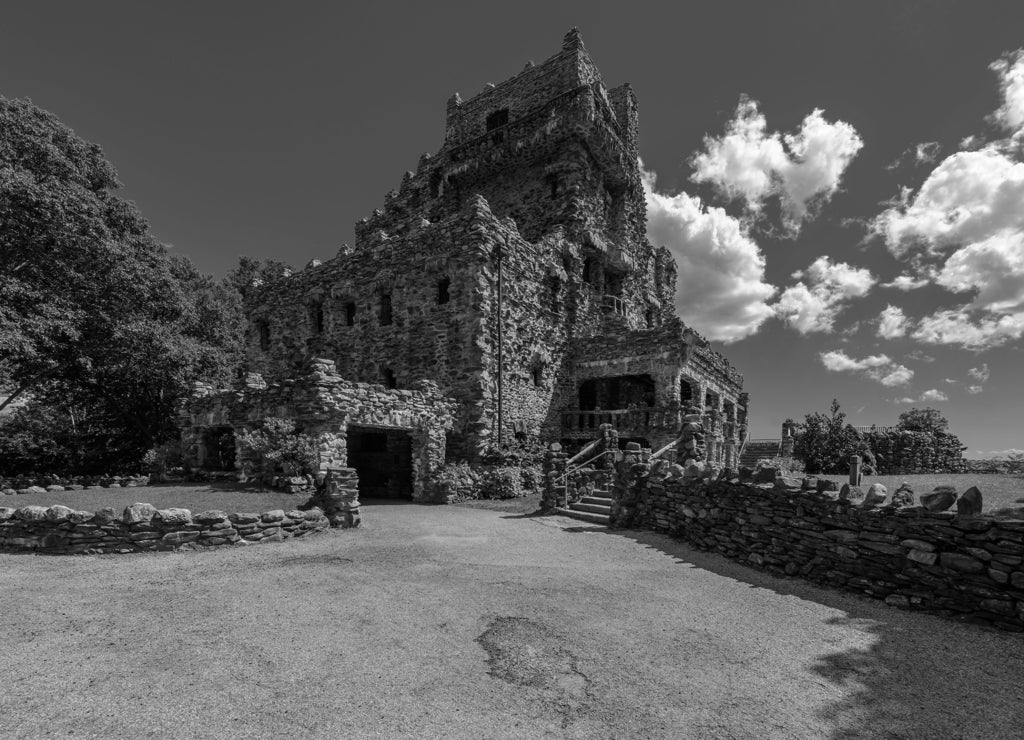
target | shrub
[
  {"x": 456, "y": 482},
  {"x": 278, "y": 443},
  {"x": 501, "y": 482},
  {"x": 825, "y": 442},
  {"x": 787, "y": 465}
]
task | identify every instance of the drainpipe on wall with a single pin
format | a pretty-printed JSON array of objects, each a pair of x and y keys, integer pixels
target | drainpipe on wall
[{"x": 498, "y": 256}]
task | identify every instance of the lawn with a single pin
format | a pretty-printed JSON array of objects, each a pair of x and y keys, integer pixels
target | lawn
[
  {"x": 202, "y": 497},
  {"x": 1002, "y": 495}
]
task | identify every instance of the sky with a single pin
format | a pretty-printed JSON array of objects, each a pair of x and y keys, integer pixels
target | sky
[{"x": 842, "y": 184}]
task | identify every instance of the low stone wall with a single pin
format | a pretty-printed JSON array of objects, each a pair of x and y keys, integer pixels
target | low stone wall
[
  {"x": 41, "y": 484},
  {"x": 60, "y": 530},
  {"x": 968, "y": 567}
]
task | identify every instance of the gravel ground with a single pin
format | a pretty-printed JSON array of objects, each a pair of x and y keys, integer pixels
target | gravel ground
[{"x": 462, "y": 622}]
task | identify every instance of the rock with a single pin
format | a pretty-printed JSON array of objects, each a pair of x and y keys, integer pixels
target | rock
[
  {"x": 788, "y": 483},
  {"x": 766, "y": 475},
  {"x": 32, "y": 513},
  {"x": 923, "y": 557},
  {"x": 897, "y": 600},
  {"x": 825, "y": 485},
  {"x": 54, "y": 488},
  {"x": 918, "y": 545},
  {"x": 275, "y": 515},
  {"x": 6, "y": 513},
  {"x": 1017, "y": 579},
  {"x": 33, "y": 489},
  {"x": 903, "y": 496},
  {"x": 9, "y": 492},
  {"x": 179, "y": 538},
  {"x": 138, "y": 513},
  {"x": 174, "y": 517},
  {"x": 970, "y": 503},
  {"x": 876, "y": 494},
  {"x": 105, "y": 516},
  {"x": 244, "y": 518},
  {"x": 962, "y": 563},
  {"x": 59, "y": 513},
  {"x": 210, "y": 517},
  {"x": 940, "y": 499},
  {"x": 850, "y": 493}
]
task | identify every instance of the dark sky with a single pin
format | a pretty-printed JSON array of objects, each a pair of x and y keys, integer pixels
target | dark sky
[{"x": 269, "y": 130}]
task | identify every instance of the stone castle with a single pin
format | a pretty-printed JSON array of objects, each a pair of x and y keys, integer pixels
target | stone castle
[{"x": 506, "y": 292}]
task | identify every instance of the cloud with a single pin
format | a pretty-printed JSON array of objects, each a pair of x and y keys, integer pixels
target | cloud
[
  {"x": 892, "y": 324},
  {"x": 964, "y": 227},
  {"x": 981, "y": 374},
  {"x": 956, "y": 327},
  {"x": 803, "y": 170},
  {"x": 1000, "y": 453},
  {"x": 906, "y": 283},
  {"x": 920, "y": 356},
  {"x": 974, "y": 389},
  {"x": 934, "y": 395},
  {"x": 721, "y": 288},
  {"x": 1010, "y": 70},
  {"x": 924, "y": 153},
  {"x": 879, "y": 368},
  {"x": 813, "y": 306}
]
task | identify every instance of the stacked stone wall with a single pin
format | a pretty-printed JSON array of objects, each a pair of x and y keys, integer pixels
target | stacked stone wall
[
  {"x": 969, "y": 567},
  {"x": 60, "y": 530},
  {"x": 899, "y": 452},
  {"x": 23, "y": 484}
]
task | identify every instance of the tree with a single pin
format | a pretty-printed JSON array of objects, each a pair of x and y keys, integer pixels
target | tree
[
  {"x": 825, "y": 441},
  {"x": 96, "y": 317},
  {"x": 277, "y": 442},
  {"x": 923, "y": 420},
  {"x": 251, "y": 270}
]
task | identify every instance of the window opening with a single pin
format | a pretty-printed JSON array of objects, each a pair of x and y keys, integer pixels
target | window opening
[
  {"x": 350, "y": 314},
  {"x": 443, "y": 294},
  {"x": 388, "y": 376},
  {"x": 264, "y": 332},
  {"x": 386, "y": 315}
]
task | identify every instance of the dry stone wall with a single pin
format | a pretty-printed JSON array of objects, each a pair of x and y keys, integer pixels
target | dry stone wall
[
  {"x": 969, "y": 567},
  {"x": 60, "y": 530}
]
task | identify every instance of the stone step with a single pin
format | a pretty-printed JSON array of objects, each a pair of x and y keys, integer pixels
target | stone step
[
  {"x": 593, "y": 508},
  {"x": 585, "y": 516},
  {"x": 599, "y": 500}
]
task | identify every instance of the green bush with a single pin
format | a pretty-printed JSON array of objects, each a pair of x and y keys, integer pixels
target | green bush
[
  {"x": 277, "y": 444},
  {"x": 501, "y": 482}
]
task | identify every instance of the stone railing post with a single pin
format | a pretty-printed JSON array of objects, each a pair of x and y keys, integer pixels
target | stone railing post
[
  {"x": 855, "y": 473},
  {"x": 554, "y": 476}
]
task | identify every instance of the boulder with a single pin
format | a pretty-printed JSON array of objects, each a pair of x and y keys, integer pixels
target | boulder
[
  {"x": 766, "y": 475},
  {"x": 970, "y": 503},
  {"x": 105, "y": 516},
  {"x": 58, "y": 513},
  {"x": 32, "y": 513},
  {"x": 853, "y": 494},
  {"x": 210, "y": 517},
  {"x": 902, "y": 496},
  {"x": 824, "y": 485},
  {"x": 54, "y": 488},
  {"x": 174, "y": 517},
  {"x": 940, "y": 499},
  {"x": 33, "y": 489},
  {"x": 876, "y": 494},
  {"x": 138, "y": 513}
]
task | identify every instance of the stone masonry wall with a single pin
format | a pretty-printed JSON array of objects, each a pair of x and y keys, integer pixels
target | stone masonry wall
[
  {"x": 966, "y": 567},
  {"x": 59, "y": 530}
]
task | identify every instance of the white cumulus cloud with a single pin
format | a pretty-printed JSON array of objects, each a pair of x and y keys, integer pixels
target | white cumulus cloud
[
  {"x": 974, "y": 389},
  {"x": 1010, "y": 70},
  {"x": 880, "y": 368},
  {"x": 721, "y": 289},
  {"x": 934, "y": 395},
  {"x": 813, "y": 304},
  {"x": 906, "y": 283},
  {"x": 803, "y": 169},
  {"x": 964, "y": 228},
  {"x": 892, "y": 323}
]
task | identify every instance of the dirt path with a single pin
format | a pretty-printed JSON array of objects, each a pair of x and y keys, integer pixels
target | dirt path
[{"x": 460, "y": 622}]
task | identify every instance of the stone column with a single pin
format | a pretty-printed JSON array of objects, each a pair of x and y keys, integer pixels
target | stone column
[{"x": 554, "y": 467}]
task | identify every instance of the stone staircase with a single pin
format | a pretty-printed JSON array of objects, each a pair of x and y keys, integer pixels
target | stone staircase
[
  {"x": 757, "y": 449},
  {"x": 595, "y": 508}
]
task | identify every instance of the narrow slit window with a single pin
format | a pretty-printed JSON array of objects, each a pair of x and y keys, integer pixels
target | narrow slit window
[
  {"x": 386, "y": 314},
  {"x": 388, "y": 378},
  {"x": 350, "y": 314},
  {"x": 263, "y": 329},
  {"x": 317, "y": 315},
  {"x": 443, "y": 293}
]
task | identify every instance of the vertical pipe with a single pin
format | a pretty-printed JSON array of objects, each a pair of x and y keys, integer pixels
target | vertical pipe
[{"x": 500, "y": 349}]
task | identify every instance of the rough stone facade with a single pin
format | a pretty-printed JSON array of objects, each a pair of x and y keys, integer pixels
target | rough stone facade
[{"x": 512, "y": 270}]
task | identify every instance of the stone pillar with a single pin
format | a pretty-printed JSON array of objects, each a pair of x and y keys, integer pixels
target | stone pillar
[
  {"x": 788, "y": 442},
  {"x": 339, "y": 497},
  {"x": 554, "y": 467}
]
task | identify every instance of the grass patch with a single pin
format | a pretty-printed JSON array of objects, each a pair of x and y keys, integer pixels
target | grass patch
[
  {"x": 1002, "y": 495},
  {"x": 197, "y": 497}
]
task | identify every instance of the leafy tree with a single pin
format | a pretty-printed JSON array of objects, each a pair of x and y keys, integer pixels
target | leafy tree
[
  {"x": 825, "y": 441},
  {"x": 923, "y": 420},
  {"x": 251, "y": 270},
  {"x": 95, "y": 315},
  {"x": 277, "y": 442}
]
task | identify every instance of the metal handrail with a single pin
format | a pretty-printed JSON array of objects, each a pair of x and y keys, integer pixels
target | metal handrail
[{"x": 569, "y": 471}]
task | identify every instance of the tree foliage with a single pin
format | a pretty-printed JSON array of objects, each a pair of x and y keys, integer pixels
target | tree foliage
[
  {"x": 825, "y": 442},
  {"x": 278, "y": 443},
  {"x": 98, "y": 321},
  {"x": 923, "y": 420}
]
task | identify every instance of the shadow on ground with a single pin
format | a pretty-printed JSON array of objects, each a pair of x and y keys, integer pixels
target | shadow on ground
[{"x": 922, "y": 676}]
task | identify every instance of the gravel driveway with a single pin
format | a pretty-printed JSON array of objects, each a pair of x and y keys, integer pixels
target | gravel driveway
[{"x": 460, "y": 622}]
